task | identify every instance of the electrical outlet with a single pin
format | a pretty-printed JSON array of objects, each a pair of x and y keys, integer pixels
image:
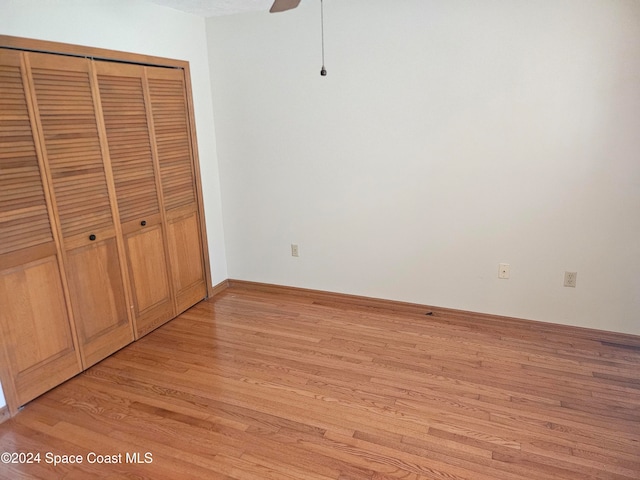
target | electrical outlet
[
  {"x": 504, "y": 270},
  {"x": 570, "y": 279},
  {"x": 294, "y": 250}
]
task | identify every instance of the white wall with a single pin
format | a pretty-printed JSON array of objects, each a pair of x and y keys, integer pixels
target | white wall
[
  {"x": 140, "y": 27},
  {"x": 447, "y": 137}
]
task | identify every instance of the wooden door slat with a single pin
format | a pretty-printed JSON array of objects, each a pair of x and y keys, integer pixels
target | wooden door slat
[
  {"x": 123, "y": 103},
  {"x": 24, "y": 219},
  {"x": 71, "y": 138}
]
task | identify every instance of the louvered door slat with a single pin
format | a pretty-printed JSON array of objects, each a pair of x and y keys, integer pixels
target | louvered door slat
[
  {"x": 24, "y": 219},
  {"x": 27, "y": 193},
  {"x": 136, "y": 170},
  {"x": 12, "y": 147},
  {"x": 70, "y": 131},
  {"x": 79, "y": 221},
  {"x": 17, "y": 230},
  {"x": 15, "y": 203},
  {"x": 88, "y": 181},
  {"x": 169, "y": 108},
  {"x": 12, "y": 175},
  {"x": 125, "y": 117},
  {"x": 13, "y": 130}
]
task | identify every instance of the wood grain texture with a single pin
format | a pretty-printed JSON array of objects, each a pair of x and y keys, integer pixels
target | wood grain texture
[
  {"x": 186, "y": 260},
  {"x": 129, "y": 133},
  {"x": 171, "y": 129},
  {"x": 152, "y": 298},
  {"x": 77, "y": 161},
  {"x": 44, "y": 352},
  {"x": 254, "y": 385},
  {"x": 67, "y": 118},
  {"x": 24, "y": 219},
  {"x": 171, "y": 125},
  {"x": 74, "y": 131},
  {"x": 97, "y": 296},
  {"x": 39, "y": 345}
]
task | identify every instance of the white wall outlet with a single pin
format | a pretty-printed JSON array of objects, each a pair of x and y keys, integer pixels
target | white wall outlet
[
  {"x": 570, "y": 279},
  {"x": 294, "y": 250},
  {"x": 504, "y": 270}
]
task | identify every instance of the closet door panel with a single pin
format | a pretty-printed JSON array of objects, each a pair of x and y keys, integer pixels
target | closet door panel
[
  {"x": 37, "y": 332},
  {"x": 36, "y": 329},
  {"x": 171, "y": 126},
  {"x": 186, "y": 255},
  {"x": 26, "y": 283},
  {"x": 149, "y": 275},
  {"x": 97, "y": 293},
  {"x": 150, "y": 278},
  {"x": 75, "y": 157},
  {"x": 129, "y": 135}
]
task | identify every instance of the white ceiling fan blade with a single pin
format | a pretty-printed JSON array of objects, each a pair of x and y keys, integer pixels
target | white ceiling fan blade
[{"x": 282, "y": 5}]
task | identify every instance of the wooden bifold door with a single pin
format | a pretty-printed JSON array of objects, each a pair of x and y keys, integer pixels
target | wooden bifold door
[
  {"x": 129, "y": 130},
  {"x": 40, "y": 344},
  {"x": 101, "y": 230}
]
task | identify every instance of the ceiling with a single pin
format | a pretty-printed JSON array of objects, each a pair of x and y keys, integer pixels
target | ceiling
[{"x": 214, "y": 8}]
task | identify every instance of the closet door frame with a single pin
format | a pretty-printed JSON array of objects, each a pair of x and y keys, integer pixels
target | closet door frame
[{"x": 42, "y": 46}]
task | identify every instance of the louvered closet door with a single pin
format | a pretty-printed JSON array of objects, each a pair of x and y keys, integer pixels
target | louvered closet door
[
  {"x": 74, "y": 154},
  {"x": 36, "y": 331},
  {"x": 137, "y": 188},
  {"x": 171, "y": 127}
]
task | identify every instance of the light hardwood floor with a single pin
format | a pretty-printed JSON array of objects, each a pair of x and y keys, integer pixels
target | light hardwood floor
[{"x": 263, "y": 385}]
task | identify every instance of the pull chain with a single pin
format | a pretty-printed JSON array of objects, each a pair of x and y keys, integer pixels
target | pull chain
[{"x": 323, "y": 71}]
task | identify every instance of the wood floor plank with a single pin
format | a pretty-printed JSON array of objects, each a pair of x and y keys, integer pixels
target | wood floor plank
[{"x": 265, "y": 384}]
